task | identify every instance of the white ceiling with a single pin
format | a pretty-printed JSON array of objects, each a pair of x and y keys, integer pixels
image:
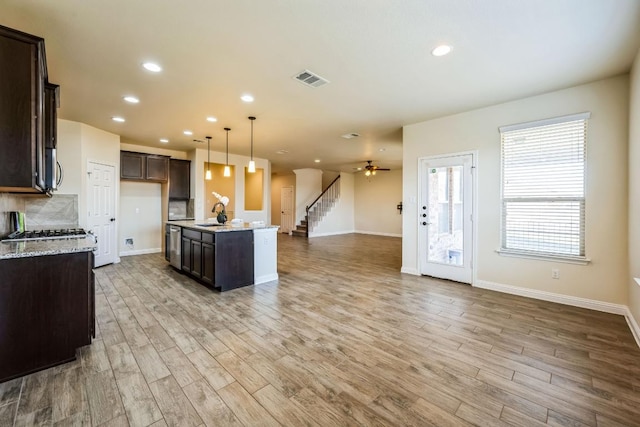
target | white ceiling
[{"x": 375, "y": 53}]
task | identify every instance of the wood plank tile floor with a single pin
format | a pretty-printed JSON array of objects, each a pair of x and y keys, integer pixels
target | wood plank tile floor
[{"x": 342, "y": 339}]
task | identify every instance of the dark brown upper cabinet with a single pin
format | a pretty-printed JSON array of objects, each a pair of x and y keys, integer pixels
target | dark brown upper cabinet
[
  {"x": 157, "y": 168},
  {"x": 23, "y": 75},
  {"x": 179, "y": 179},
  {"x": 143, "y": 167}
]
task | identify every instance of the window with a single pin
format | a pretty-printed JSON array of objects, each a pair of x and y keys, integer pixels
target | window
[{"x": 543, "y": 187}]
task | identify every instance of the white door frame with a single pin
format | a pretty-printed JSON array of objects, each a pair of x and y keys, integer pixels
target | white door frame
[
  {"x": 116, "y": 192},
  {"x": 422, "y": 179}
]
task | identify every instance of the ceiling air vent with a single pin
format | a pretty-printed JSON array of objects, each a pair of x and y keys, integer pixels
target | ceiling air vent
[{"x": 310, "y": 79}]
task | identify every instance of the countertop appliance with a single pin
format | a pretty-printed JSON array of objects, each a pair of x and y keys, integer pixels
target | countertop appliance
[
  {"x": 67, "y": 233},
  {"x": 175, "y": 244}
]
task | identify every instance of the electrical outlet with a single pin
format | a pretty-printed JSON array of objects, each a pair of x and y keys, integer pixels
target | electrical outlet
[
  {"x": 555, "y": 273},
  {"x": 128, "y": 241}
]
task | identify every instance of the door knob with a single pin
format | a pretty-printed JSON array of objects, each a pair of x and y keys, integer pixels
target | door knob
[
  {"x": 424, "y": 215},
  {"x": 424, "y": 223},
  {"x": 112, "y": 219}
]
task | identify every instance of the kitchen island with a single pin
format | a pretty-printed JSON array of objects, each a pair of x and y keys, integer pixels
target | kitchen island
[
  {"x": 223, "y": 256},
  {"x": 46, "y": 303}
]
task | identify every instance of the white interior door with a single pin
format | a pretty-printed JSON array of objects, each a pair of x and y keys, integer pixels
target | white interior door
[
  {"x": 445, "y": 217},
  {"x": 286, "y": 209},
  {"x": 101, "y": 210}
]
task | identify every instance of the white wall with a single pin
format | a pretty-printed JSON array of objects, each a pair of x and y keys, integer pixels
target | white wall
[
  {"x": 376, "y": 199},
  {"x": 141, "y": 218},
  {"x": 340, "y": 219},
  {"x": 79, "y": 143},
  {"x": 605, "y": 279},
  {"x": 69, "y": 153},
  {"x": 149, "y": 221},
  {"x": 634, "y": 194},
  {"x": 308, "y": 187}
]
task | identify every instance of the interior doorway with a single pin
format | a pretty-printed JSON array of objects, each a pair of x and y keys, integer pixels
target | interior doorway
[
  {"x": 286, "y": 210},
  {"x": 445, "y": 215},
  {"x": 101, "y": 201}
]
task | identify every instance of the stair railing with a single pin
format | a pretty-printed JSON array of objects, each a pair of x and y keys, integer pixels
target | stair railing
[{"x": 321, "y": 205}]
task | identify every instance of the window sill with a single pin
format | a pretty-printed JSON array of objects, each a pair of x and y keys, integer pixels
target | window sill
[{"x": 553, "y": 258}]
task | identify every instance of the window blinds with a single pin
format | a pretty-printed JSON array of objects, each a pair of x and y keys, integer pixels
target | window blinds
[{"x": 543, "y": 186}]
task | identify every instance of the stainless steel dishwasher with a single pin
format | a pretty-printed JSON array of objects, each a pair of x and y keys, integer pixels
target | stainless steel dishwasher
[{"x": 175, "y": 245}]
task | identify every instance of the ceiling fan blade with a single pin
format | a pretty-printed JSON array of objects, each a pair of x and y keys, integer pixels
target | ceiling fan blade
[{"x": 382, "y": 169}]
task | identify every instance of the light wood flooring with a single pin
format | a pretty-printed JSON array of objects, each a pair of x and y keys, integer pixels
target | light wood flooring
[{"x": 342, "y": 339}]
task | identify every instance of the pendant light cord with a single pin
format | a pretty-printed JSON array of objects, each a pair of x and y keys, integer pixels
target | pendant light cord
[
  {"x": 208, "y": 151},
  {"x": 227, "y": 129},
  {"x": 252, "y": 119}
]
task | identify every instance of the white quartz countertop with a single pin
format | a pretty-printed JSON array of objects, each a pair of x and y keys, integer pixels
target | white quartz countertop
[
  {"x": 31, "y": 248},
  {"x": 217, "y": 228}
]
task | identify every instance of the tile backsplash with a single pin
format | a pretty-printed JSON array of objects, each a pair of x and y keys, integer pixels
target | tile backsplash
[
  {"x": 59, "y": 211},
  {"x": 180, "y": 209}
]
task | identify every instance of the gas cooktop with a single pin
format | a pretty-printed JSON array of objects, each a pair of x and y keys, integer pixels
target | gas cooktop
[{"x": 67, "y": 233}]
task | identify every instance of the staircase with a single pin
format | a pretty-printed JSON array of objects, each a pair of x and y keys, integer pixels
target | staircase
[
  {"x": 301, "y": 229},
  {"x": 318, "y": 209}
]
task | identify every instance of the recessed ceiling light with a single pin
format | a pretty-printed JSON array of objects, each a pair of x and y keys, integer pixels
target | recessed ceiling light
[
  {"x": 247, "y": 98},
  {"x": 441, "y": 50},
  {"x": 131, "y": 99},
  {"x": 212, "y": 119},
  {"x": 150, "y": 66},
  {"x": 382, "y": 149},
  {"x": 164, "y": 140},
  {"x": 117, "y": 119},
  {"x": 350, "y": 135},
  {"x": 281, "y": 152},
  {"x": 317, "y": 160},
  {"x": 188, "y": 132}
]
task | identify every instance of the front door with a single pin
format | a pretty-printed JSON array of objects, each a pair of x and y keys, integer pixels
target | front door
[
  {"x": 101, "y": 210},
  {"x": 445, "y": 217},
  {"x": 286, "y": 209}
]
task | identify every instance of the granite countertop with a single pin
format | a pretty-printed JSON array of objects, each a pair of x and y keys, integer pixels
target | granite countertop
[
  {"x": 31, "y": 248},
  {"x": 196, "y": 225}
]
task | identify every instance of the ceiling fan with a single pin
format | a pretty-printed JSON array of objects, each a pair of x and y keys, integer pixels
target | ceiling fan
[{"x": 371, "y": 169}]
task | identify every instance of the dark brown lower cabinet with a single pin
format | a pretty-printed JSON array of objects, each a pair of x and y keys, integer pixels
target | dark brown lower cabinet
[
  {"x": 47, "y": 311},
  {"x": 223, "y": 259}
]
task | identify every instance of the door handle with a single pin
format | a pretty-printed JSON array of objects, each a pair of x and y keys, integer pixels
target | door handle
[{"x": 112, "y": 219}]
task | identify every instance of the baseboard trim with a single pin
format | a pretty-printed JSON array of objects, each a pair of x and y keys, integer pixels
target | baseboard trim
[
  {"x": 633, "y": 325},
  {"x": 375, "y": 233},
  {"x": 141, "y": 252},
  {"x": 332, "y": 233},
  {"x": 265, "y": 278},
  {"x": 605, "y": 307},
  {"x": 591, "y": 304},
  {"x": 410, "y": 270}
]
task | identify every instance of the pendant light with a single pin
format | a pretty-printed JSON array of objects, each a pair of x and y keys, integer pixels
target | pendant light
[
  {"x": 207, "y": 176},
  {"x": 252, "y": 164},
  {"x": 227, "y": 169}
]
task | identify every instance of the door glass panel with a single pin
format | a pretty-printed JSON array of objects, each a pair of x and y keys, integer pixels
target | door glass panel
[{"x": 445, "y": 234}]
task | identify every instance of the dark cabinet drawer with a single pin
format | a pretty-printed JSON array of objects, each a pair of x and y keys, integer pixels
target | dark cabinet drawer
[
  {"x": 208, "y": 237},
  {"x": 191, "y": 234}
]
